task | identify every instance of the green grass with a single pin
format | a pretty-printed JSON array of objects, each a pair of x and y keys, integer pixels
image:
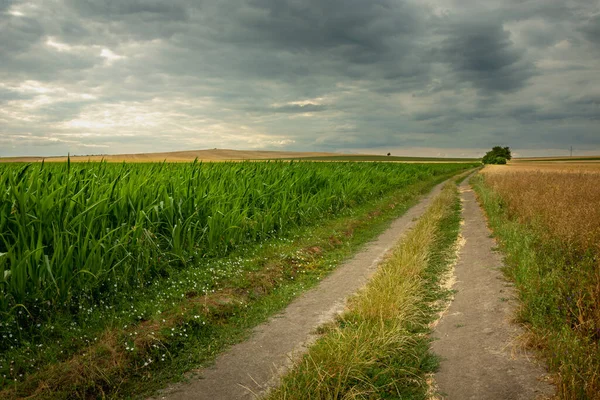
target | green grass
[
  {"x": 183, "y": 317},
  {"x": 379, "y": 348},
  {"x": 552, "y": 279},
  {"x": 72, "y": 235},
  {"x": 387, "y": 158}
]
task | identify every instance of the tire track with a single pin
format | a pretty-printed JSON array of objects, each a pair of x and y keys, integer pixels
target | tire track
[
  {"x": 247, "y": 370},
  {"x": 476, "y": 338}
]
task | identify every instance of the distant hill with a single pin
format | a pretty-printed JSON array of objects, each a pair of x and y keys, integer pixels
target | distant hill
[
  {"x": 233, "y": 155},
  {"x": 179, "y": 156},
  {"x": 366, "y": 157}
]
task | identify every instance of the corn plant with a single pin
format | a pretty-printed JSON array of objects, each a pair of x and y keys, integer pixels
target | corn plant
[{"x": 71, "y": 230}]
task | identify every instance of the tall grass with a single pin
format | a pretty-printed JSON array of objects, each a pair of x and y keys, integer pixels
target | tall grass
[
  {"x": 79, "y": 232},
  {"x": 548, "y": 224},
  {"x": 563, "y": 204}
]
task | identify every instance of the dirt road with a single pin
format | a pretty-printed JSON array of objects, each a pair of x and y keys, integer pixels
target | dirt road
[
  {"x": 481, "y": 356},
  {"x": 246, "y": 370}
]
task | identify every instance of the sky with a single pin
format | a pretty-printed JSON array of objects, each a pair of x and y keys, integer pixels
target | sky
[{"x": 410, "y": 77}]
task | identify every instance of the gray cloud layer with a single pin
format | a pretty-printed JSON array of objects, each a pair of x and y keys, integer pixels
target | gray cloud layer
[{"x": 92, "y": 76}]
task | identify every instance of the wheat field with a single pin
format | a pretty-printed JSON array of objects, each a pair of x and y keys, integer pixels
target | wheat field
[
  {"x": 547, "y": 219},
  {"x": 563, "y": 198}
]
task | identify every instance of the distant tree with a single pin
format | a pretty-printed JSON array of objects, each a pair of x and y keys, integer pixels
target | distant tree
[
  {"x": 389, "y": 154},
  {"x": 498, "y": 155}
]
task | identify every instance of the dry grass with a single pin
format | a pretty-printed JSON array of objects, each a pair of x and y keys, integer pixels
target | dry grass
[
  {"x": 548, "y": 221},
  {"x": 564, "y": 200},
  {"x": 563, "y": 167}
]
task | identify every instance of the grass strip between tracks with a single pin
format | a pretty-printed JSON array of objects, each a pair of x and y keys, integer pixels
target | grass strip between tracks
[{"x": 379, "y": 348}]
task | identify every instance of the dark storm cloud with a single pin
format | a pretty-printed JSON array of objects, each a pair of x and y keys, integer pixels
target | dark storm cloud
[
  {"x": 297, "y": 74},
  {"x": 6, "y": 4},
  {"x": 355, "y": 28},
  {"x": 482, "y": 53},
  {"x": 140, "y": 20},
  {"x": 308, "y": 45},
  {"x": 26, "y": 55},
  {"x": 112, "y": 9},
  {"x": 300, "y": 108},
  {"x": 11, "y": 95},
  {"x": 579, "y": 107},
  {"x": 18, "y": 34},
  {"x": 591, "y": 29}
]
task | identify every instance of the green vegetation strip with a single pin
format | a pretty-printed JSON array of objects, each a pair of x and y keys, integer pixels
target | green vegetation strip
[
  {"x": 387, "y": 158},
  {"x": 132, "y": 339},
  {"x": 72, "y": 235},
  {"x": 379, "y": 348},
  {"x": 557, "y": 287}
]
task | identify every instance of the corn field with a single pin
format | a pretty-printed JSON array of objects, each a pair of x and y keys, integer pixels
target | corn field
[{"x": 72, "y": 229}]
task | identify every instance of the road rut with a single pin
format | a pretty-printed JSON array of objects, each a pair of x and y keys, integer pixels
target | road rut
[
  {"x": 248, "y": 369},
  {"x": 475, "y": 337}
]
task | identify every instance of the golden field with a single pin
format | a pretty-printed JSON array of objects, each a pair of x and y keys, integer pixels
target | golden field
[
  {"x": 563, "y": 198},
  {"x": 546, "y": 217},
  {"x": 541, "y": 166}
]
